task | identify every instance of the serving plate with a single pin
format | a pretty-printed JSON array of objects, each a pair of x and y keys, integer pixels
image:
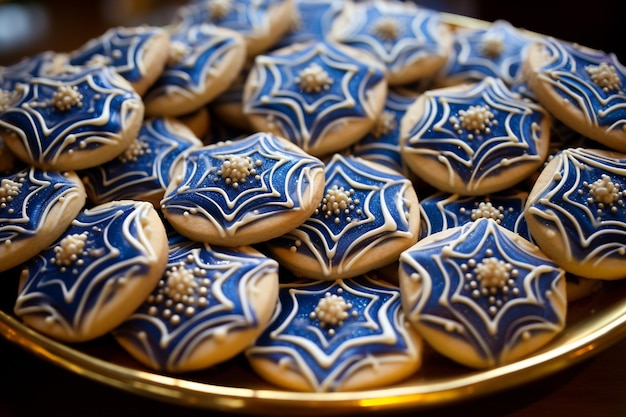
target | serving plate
[{"x": 593, "y": 324}]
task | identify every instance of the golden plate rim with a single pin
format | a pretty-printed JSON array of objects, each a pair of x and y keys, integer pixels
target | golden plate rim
[{"x": 604, "y": 327}]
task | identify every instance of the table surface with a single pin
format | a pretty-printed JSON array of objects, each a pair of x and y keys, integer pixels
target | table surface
[{"x": 30, "y": 386}]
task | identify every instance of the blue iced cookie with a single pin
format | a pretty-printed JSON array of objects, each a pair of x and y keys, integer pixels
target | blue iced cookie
[
  {"x": 71, "y": 120},
  {"x": 210, "y": 304},
  {"x": 96, "y": 274},
  {"x": 475, "y": 138},
  {"x": 143, "y": 170},
  {"x": 368, "y": 215},
  {"x": 576, "y": 212},
  {"x": 203, "y": 61},
  {"x": 411, "y": 41},
  {"x": 337, "y": 336},
  {"x": 243, "y": 191},
  {"x": 320, "y": 95},
  {"x": 482, "y": 295},
  {"x": 312, "y": 21},
  {"x": 137, "y": 53},
  {"x": 35, "y": 209},
  {"x": 582, "y": 87}
]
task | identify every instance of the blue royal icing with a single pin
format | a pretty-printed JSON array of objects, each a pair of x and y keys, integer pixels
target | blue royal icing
[
  {"x": 121, "y": 48},
  {"x": 202, "y": 296},
  {"x": 586, "y": 201},
  {"x": 144, "y": 168},
  {"x": 480, "y": 286},
  {"x": 26, "y": 198},
  {"x": 442, "y": 211},
  {"x": 396, "y": 33},
  {"x": 275, "y": 179},
  {"x": 328, "y": 330},
  {"x": 309, "y": 92},
  {"x": 70, "y": 112},
  {"x": 313, "y": 21},
  {"x": 372, "y": 210},
  {"x": 70, "y": 281},
  {"x": 591, "y": 81},
  {"x": 479, "y": 132}
]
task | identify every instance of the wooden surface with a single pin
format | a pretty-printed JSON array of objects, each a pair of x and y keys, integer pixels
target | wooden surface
[{"x": 32, "y": 387}]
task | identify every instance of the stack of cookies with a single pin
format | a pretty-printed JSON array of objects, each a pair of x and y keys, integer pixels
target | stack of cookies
[{"x": 320, "y": 187}]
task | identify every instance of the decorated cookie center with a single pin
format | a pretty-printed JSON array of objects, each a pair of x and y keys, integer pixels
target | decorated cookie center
[
  {"x": 66, "y": 97},
  {"x": 493, "y": 273},
  {"x": 386, "y": 28},
  {"x": 8, "y": 190},
  {"x": 135, "y": 150},
  {"x": 338, "y": 200},
  {"x": 313, "y": 79},
  {"x": 237, "y": 169},
  {"x": 385, "y": 124},
  {"x": 5, "y": 99},
  {"x": 604, "y": 191},
  {"x": 604, "y": 76},
  {"x": 70, "y": 250},
  {"x": 489, "y": 211},
  {"x": 178, "y": 51},
  {"x": 492, "y": 46},
  {"x": 219, "y": 9},
  {"x": 476, "y": 119},
  {"x": 331, "y": 311}
]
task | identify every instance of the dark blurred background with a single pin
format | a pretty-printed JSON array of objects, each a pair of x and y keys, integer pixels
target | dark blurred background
[{"x": 28, "y": 27}]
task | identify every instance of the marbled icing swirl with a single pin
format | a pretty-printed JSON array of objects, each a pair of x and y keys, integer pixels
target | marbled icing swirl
[
  {"x": 203, "y": 48},
  {"x": 593, "y": 229},
  {"x": 382, "y": 144},
  {"x": 304, "y": 117},
  {"x": 122, "y": 48},
  {"x": 567, "y": 71},
  {"x": 69, "y": 284},
  {"x": 144, "y": 169},
  {"x": 398, "y": 34},
  {"x": 488, "y": 319},
  {"x": 371, "y": 333},
  {"x": 512, "y": 138},
  {"x": 282, "y": 180},
  {"x": 202, "y": 296},
  {"x": 26, "y": 198},
  {"x": 96, "y": 119},
  {"x": 442, "y": 211},
  {"x": 376, "y": 213}
]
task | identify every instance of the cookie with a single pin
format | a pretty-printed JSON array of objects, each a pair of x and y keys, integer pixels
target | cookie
[
  {"x": 582, "y": 87},
  {"x": 35, "y": 209},
  {"x": 210, "y": 304},
  {"x": 72, "y": 120},
  {"x": 481, "y": 295},
  {"x": 203, "y": 61},
  {"x": 137, "y": 53},
  {"x": 243, "y": 192},
  {"x": 198, "y": 121},
  {"x": 441, "y": 211},
  {"x": 382, "y": 143},
  {"x": 337, "y": 336},
  {"x": 98, "y": 273},
  {"x": 322, "y": 96},
  {"x": 228, "y": 106},
  {"x": 474, "y": 139},
  {"x": 261, "y": 23},
  {"x": 576, "y": 212},
  {"x": 143, "y": 170},
  {"x": 410, "y": 40},
  {"x": 498, "y": 50},
  {"x": 312, "y": 21},
  {"x": 578, "y": 288},
  {"x": 367, "y": 217},
  {"x": 8, "y": 161}
]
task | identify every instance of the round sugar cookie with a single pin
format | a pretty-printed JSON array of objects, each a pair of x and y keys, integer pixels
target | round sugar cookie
[
  {"x": 94, "y": 276},
  {"x": 137, "y": 53},
  {"x": 474, "y": 139},
  {"x": 576, "y": 212},
  {"x": 210, "y": 304},
  {"x": 322, "y": 96},
  {"x": 341, "y": 335},
  {"x": 71, "y": 120},
  {"x": 35, "y": 209},
  {"x": 582, "y": 87},
  {"x": 203, "y": 61},
  {"x": 482, "y": 295},
  {"x": 411, "y": 41},
  {"x": 367, "y": 217},
  {"x": 143, "y": 170},
  {"x": 244, "y": 191},
  {"x": 261, "y": 23}
]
